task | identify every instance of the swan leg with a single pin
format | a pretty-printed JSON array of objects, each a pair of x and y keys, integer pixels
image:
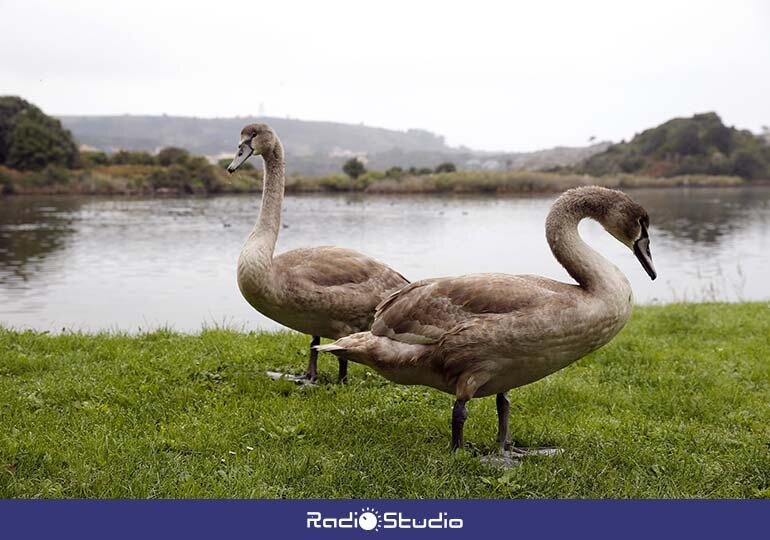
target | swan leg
[
  {"x": 465, "y": 388},
  {"x": 343, "y": 376},
  {"x": 312, "y": 366},
  {"x": 503, "y": 412},
  {"x": 459, "y": 414}
]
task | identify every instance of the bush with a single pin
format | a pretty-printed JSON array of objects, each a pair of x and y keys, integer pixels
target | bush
[
  {"x": 52, "y": 175},
  {"x": 172, "y": 155},
  {"x": 631, "y": 164},
  {"x": 395, "y": 172},
  {"x": 747, "y": 164},
  {"x": 6, "y": 184},
  {"x": 126, "y": 157},
  {"x": 366, "y": 179},
  {"x": 203, "y": 175},
  {"x": 94, "y": 158},
  {"x": 446, "y": 167},
  {"x": 353, "y": 168},
  {"x": 687, "y": 142}
]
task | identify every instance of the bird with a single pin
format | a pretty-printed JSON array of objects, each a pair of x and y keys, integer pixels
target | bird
[
  {"x": 483, "y": 334},
  {"x": 322, "y": 291}
]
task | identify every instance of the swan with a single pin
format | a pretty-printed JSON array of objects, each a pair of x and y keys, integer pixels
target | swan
[
  {"x": 483, "y": 334},
  {"x": 322, "y": 291}
]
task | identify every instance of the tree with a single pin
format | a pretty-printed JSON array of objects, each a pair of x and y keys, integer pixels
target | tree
[
  {"x": 686, "y": 141},
  {"x": 446, "y": 167},
  {"x": 353, "y": 168},
  {"x": 30, "y": 139},
  {"x": 394, "y": 172},
  {"x": 747, "y": 164},
  {"x": 173, "y": 155},
  {"x": 127, "y": 157},
  {"x": 91, "y": 158},
  {"x": 719, "y": 136}
]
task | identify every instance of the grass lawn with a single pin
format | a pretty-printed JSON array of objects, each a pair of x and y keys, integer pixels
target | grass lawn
[{"x": 678, "y": 405}]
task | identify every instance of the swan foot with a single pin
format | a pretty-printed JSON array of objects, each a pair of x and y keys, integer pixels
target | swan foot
[
  {"x": 513, "y": 456},
  {"x": 299, "y": 379},
  {"x": 546, "y": 451}
]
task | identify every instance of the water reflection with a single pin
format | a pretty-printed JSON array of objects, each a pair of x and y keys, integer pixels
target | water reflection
[
  {"x": 101, "y": 263},
  {"x": 31, "y": 229},
  {"x": 705, "y": 215}
]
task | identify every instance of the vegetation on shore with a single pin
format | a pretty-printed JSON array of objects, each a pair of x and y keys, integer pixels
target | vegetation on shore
[
  {"x": 38, "y": 156},
  {"x": 675, "y": 406},
  {"x": 700, "y": 145},
  {"x": 201, "y": 178}
]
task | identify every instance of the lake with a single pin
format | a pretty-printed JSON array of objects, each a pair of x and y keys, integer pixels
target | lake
[{"x": 132, "y": 264}]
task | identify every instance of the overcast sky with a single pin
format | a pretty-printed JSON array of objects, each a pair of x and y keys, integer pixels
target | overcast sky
[{"x": 489, "y": 75}]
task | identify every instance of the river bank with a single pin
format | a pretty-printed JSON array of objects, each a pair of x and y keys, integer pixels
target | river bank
[{"x": 173, "y": 180}]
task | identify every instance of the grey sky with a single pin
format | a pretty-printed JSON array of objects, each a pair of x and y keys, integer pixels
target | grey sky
[{"x": 489, "y": 75}]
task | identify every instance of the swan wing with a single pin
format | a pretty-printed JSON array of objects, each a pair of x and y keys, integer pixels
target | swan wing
[
  {"x": 427, "y": 311},
  {"x": 329, "y": 267}
]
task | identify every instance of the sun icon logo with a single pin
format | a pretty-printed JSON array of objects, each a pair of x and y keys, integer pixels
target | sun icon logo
[{"x": 369, "y": 520}]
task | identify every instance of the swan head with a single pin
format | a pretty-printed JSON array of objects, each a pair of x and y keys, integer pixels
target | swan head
[
  {"x": 259, "y": 139},
  {"x": 620, "y": 216},
  {"x": 629, "y": 223}
]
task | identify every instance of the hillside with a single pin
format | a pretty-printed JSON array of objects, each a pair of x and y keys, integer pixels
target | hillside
[
  {"x": 312, "y": 148},
  {"x": 701, "y": 144}
]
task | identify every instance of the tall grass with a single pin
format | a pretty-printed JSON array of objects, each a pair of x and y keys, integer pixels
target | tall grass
[{"x": 149, "y": 179}]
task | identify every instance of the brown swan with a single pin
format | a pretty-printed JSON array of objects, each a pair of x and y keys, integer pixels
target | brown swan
[
  {"x": 483, "y": 334},
  {"x": 322, "y": 291}
]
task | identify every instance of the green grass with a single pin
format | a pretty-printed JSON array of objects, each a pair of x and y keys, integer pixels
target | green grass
[{"x": 676, "y": 406}]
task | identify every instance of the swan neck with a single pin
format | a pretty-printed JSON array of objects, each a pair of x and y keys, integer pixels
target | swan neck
[
  {"x": 265, "y": 232},
  {"x": 587, "y": 266}
]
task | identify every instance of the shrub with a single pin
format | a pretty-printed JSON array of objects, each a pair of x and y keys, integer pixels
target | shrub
[
  {"x": 631, "y": 164},
  {"x": 747, "y": 164},
  {"x": 395, "y": 172},
  {"x": 172, "y": 155},
  {"x": 446, "y": 167},
  {"x": 93, "y": 158},
  {"x": 126, "y": 157},
  {"x": 366, "y": 179},
  {"x": 353, "y": 168},
  {"x": 52, "y": 175},
  {"x": 6, "y": 184},
  {"x": 687, "y": 142}
]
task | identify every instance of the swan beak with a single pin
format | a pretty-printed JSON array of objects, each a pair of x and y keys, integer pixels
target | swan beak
[
  {"x": 244, "y": 152},
  {"x": 642, "y": 252}
]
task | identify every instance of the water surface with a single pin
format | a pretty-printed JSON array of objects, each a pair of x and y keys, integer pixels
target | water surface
[{"x": 128, "y": 264}]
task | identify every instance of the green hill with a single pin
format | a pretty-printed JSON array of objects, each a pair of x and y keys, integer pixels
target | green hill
[{"x": 698, "y": 145}]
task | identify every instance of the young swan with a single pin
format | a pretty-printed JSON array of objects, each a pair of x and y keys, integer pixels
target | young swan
[
  {"x": 483, "y": 334},
  {"x": 324, "y": 291}
]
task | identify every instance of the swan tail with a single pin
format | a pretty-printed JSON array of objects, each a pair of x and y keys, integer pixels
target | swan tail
[
  {"x": 355, "y": 347},
  {"x": 330, "y": 348},
  {"x": 348, "y": 344}
]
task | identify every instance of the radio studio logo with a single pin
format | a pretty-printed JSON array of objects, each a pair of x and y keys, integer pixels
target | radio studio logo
[{"x": 369, "y": 519}]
